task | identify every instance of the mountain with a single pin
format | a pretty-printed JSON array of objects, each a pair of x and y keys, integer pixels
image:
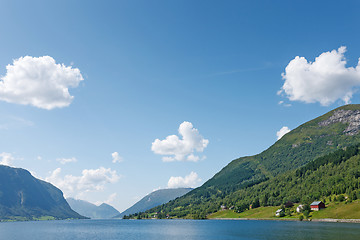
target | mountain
[
  {"x": 335, "y": 130},
  {"x": 154, "y": 199},
  {"x": 91, "y": 210},
  {"x": 326, "y": 177},
  {"x": 23, "y": 197}
]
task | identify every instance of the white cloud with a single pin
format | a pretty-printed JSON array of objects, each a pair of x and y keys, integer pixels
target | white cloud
[
  {"x": 325, "y": 80},
  {"x": 66, "y": 160},
  {"x": 282, "y": 103},
  {"x": 40, "y": 82},
  {"x": 6, "y": 159},
  {"x": 178, "y": 149},
  {"x": 90, "y": 180},
  {"x": 191, "y": 180},
  {"x": 284, "y": 130},
  {"x": 13, "y": 122},
  {"x": 116, "y": 158},
  {"x": 111, "y": 198}
]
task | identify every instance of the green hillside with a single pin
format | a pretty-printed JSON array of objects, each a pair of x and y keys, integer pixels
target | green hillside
[
  {"x": 231, "y": 186},
  {"x": 332, "y": 175}
]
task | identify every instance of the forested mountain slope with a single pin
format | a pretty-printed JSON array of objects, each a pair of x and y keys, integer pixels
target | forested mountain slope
[{"x": 326, "y": 134}]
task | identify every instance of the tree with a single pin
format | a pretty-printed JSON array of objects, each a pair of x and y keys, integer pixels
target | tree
[
  {"x": 255, "y": 203},
  {"x": 306, "y": 214},
  {"x": 341, "y": 198}
]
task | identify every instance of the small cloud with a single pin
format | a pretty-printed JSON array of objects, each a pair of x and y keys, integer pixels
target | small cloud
[
  {"x": 284, "y": 130},
  {"x": 282, "y": 103},
  {"x": 191, "y": 180},
  {"x": 40, "y": 82},
  {"x": 192, "y": 158},
  {"x": 183, "y": 149},
  {"x": 325, "y": 80},
  {"x": 66, "y": 160},
  {"x": 109, "y": 200},
  {"x": 13, "y": 122},
  {"x": 116, "y": 158},
  {"x": 6, "y": 159}
]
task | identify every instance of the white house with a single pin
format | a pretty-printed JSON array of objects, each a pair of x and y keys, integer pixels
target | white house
[
  {"x": 279, "y": 213},
  {"x": 300, "y": 208}
]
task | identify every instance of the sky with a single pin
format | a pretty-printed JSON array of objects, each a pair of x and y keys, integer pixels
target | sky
[{"x": 111, "y": 100}]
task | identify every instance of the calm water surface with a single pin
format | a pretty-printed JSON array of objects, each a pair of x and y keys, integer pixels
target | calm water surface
[{"x": 176, "y": 229}]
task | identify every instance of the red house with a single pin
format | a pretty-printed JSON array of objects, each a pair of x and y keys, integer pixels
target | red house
[{"x": 316, "y": 206}]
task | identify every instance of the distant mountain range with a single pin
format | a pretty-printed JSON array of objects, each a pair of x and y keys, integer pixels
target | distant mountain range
[
  {"x": 23, "y": 197},
  {"x": 154, "y": 199},
  {"x": 91, "y": 210}
]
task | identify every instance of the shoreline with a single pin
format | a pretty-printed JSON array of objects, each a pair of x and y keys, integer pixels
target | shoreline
[{"x": 332, "y": 220}]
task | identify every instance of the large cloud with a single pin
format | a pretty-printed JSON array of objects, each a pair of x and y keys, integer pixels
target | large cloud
[
  {"x": 325, "y": 80},
  {"x": 191, "y": 180},
  {"x": 90, "y": 180},
  {"x": 178, "y": 149},
  {"x": 284, "y": 130},
  {"x": 40, "y": 82},
  {"x": 6, "y": 158}
]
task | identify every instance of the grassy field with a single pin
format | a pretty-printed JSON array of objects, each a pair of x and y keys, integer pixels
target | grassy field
[
  {"x": 337, "y": 210},
  {"x": 261, "y": 212},
  {"x": 44, "y": 218}
]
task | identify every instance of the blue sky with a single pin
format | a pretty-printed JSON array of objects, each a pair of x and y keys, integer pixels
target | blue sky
[{"x": 148, "y": 67}]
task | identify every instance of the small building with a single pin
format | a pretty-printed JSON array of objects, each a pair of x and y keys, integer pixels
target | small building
[
  {"x": 280, "y": 213},
  {"x": 317, "y": 205},
  {"x": 223, "y": 207},
  {"x": 300, "y": 208}
]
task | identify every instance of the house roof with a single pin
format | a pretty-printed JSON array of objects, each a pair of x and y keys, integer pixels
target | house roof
[
  {"x": 315, "y": 203},
  {"x": 279, "y": 210}
]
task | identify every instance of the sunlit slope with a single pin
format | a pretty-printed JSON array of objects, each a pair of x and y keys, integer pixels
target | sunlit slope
[{"x": 336, "y": 129}]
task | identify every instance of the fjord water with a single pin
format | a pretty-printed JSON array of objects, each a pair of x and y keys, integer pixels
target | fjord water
[{"x": 177, "y": 229}]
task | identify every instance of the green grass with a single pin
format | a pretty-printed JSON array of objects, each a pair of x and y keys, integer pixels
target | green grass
[
  {"x": 333, "y": 210},
  {"x": 19, "y": 218},
  {"x": 339, "y": 211},
  {"x": 261, "y": 212},
  {"x": 44, "y": 218},
  {"x": 224, "y": 214}
]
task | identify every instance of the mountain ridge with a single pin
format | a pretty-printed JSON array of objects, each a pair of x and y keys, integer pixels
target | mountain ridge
[
  {"x": 87, "y": 209},
  {"x": 153, "y": 199}
]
